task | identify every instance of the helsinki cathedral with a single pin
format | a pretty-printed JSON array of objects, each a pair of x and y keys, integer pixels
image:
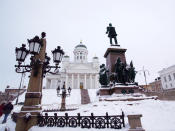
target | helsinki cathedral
[{"x": 77, "y": 74}]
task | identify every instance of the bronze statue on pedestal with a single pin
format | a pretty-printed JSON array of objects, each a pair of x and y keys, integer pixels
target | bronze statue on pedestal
[{"x": 112, "y": 34}]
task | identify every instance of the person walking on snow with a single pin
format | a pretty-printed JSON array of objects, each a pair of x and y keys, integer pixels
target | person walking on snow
[
  {"x": 1, "y": 108},
  {"x": 7, "y": 110}
]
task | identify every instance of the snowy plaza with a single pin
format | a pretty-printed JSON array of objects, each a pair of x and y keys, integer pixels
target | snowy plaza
[{"x": 155, "y": 112}]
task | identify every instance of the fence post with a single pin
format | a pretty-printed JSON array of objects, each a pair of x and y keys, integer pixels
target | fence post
[
  {"x": 79, "y": 118},
  {"x": 40, "y": 119},
  {"x": 92, "y": 118},
  {"x": 107, "y": 119},
  {"x": 66, "y": 117},
  {"x": 123, "y": 121},
  {"x": 46, "y": 119},
  {"x": 55, "y": 119}
]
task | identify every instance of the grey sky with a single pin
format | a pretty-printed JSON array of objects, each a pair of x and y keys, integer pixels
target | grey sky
[{"x": 145, "y": 27}]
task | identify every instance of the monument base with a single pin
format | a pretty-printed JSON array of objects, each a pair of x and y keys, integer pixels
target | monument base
[
  {"x": 118, "y": 89},
  {"x": 112, "y": 54}
]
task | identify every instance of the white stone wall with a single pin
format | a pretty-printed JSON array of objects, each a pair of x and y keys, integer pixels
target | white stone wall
[{"x": 168, "y": 77}]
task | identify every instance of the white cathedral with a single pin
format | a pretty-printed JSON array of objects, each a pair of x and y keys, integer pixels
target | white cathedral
[{"x": 77, "y": 74}]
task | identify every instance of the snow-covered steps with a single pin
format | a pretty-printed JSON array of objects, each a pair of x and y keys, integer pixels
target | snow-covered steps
[
  {"x": 126, "y": 97},
  {"x": 85, "y": 99}
]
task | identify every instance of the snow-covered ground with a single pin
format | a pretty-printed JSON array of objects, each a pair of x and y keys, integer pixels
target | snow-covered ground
[{"x": 157, "y": 115}]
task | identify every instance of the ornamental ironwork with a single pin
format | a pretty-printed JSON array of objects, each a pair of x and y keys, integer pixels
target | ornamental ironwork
[
  {"x": 35, "y": 45},
  {"x": 113, "y": 121}
]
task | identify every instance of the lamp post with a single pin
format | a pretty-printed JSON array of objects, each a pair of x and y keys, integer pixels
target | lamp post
[
  {"x": 63, "y": 94},
  {"x": 144, "y": 73},
  {"x": 19, "y": 88},
  {"x": 38, "y": 67}
]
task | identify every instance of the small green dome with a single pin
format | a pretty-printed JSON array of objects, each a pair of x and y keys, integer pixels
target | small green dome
[
  {"x": 66, "y": 56},
  {"x": 80, "y": 45}
]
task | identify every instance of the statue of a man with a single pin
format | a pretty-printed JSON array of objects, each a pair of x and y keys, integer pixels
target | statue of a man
[
  {"x": 103, "y": 79},
  {"x": 111, "y": 33}
]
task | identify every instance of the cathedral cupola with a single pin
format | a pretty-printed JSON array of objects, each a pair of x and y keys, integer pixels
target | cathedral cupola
[{"x": 80, "y": 53}]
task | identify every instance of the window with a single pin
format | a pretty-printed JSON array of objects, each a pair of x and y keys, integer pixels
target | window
[
  {"x": 77, "y": 57},
  {"x": 169, "y": 77},
  {"x": 165, "y": 79},
  {"x": 80, "y": 55},
  {"x": 171, "y": 85},
  {"x": 166, "y": 86}
]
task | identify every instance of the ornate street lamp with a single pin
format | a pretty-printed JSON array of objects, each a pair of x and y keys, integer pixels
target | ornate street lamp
[
  {"x": 21, "y": 53},
  {"x": 39, "y": 65},
  {"x": 35, "y": 45},
  {"x": 63, "y": 94},
  {"x": 144, "y": 73}
]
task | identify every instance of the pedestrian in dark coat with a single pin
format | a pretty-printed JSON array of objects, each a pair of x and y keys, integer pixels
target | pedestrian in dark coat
[
  {"x": 1, "y": 109},
  {"x": 7, "y": 110}
]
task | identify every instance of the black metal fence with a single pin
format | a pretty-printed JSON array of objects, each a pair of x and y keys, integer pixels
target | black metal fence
[{"x": 114, "y": 121}]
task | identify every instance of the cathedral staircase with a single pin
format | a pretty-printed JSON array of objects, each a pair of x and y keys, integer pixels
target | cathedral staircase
[{"x": 85, "y": 99}]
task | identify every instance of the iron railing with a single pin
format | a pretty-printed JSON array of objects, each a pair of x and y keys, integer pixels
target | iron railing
[{"x": 114, "y": 121}]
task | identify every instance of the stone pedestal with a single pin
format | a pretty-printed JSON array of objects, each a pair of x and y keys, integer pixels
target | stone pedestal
[
  {"x": 117, "y": 90},
  {"x": 135, "y": 122},
  {"x": 112, "y": 54}
]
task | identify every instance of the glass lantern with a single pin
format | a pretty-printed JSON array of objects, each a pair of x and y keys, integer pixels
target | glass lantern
[
  {"x": 58, "y": 55},
  {"x": 35, "y": 45},
  {"x": 21, "y": 53}
]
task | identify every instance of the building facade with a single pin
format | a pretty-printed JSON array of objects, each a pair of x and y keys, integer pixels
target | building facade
[
  {"x": 77, "y": 74},
  {"x": 168, "y": 77},
  {"x": 156, "y": 86}
]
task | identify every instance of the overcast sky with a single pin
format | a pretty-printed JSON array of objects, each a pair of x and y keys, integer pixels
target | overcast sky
[{"x": 145, "y": 28}]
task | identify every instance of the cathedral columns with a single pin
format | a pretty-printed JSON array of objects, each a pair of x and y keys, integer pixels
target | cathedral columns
[
  {"x": 66, "y": 81},
  {"x": 72, "y": 81},
  {"x": 96, "y": 76},
  {"x": 85, "y": 81},
  {"x": 51, "y": 83},
  {"x": 78, "y": 77},
  {"x": 48, "y": 81},
  {"x": 90, "y": 81}
]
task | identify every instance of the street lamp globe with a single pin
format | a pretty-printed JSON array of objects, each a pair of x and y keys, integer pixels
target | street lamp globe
[
  {"x": 21, "y": 53},
  {"x": 57, "y": 55},
  {"x": 35, "y": 45}
]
